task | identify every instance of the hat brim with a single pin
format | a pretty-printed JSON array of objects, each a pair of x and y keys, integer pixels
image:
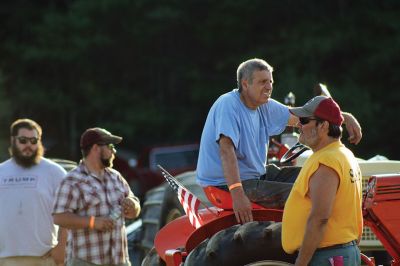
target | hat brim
[
  {"x": 112, "y": 139},
  {"x": 300, "y": 112}
]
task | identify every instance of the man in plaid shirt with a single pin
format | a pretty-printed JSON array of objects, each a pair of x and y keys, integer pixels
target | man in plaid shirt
[{"x": 93, "y": 201}]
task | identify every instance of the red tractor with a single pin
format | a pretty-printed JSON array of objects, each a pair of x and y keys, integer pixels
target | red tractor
[{"x": 219, "y": 240}]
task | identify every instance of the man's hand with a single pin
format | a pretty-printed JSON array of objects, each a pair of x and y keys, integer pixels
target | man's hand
[
  {"x": 58, "y": 253},
  {"x": 241, "y": 206},
  {"x": 323, "y": 186},
  {"x": 131, "y": 208},
  {"x": 103, "y": 224},
  {"x": 353, "y": 128}
]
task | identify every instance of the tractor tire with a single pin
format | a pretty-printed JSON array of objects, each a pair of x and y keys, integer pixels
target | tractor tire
[
  {"x": 171, "y": 207},
  {"x": 251, "y": 243},
  {"x": 162, "y": 206},
  {"x": 151, "y": 217}
]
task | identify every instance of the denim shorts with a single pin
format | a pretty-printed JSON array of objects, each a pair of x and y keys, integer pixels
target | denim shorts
[{"x": 351, "y": 256}]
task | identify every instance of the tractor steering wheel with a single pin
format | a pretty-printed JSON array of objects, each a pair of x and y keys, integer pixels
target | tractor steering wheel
[{"x": 293, "y": 152}]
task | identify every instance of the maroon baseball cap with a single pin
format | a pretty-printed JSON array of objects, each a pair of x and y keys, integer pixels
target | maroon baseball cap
[
  {"x": 322, "y": 107},
  {"x": 98, "y": 135}
]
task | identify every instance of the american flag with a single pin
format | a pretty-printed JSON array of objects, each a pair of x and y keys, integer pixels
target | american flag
[{"x": 190, "y": 202}]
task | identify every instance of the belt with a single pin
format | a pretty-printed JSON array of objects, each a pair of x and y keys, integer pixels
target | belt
[{"x": 348, "y": 244}]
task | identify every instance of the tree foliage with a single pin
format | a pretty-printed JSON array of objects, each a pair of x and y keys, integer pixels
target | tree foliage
[{"x": 150, "y": 70}]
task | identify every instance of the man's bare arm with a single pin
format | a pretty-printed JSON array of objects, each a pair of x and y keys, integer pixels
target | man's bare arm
[
  {"x": 323, "y": 186},
  {"x": 73, "y": 221},
  {"x": 241, "y": 204},
  {"x": 352, "y": 127}
]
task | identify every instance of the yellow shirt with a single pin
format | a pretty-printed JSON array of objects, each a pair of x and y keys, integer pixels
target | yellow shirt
[{"x": 346, "y": 222}]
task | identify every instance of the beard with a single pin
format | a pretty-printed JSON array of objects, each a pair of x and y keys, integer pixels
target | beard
[
  {"x": 26, "y": 161},
  {"x": 310, "y": 140},
  {"x": 107, "y": 162}
]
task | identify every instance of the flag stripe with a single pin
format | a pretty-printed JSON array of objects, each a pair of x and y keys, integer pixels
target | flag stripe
[{"x": 190, "y": 202}]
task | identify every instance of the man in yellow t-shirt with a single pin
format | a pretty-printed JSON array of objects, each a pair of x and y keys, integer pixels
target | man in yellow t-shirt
[{"x": 322, "y": 219}]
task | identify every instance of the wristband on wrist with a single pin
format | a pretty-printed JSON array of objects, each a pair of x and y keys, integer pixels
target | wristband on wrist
[
  {"x": 91, "y": 222},
  {"x": 235, "y": 185}
]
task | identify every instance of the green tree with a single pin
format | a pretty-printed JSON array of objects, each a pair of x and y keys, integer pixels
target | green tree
[{"x": 150, "y": 70}]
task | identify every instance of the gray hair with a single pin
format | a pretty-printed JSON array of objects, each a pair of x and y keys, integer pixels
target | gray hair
[{"x": 246, "y": 69}]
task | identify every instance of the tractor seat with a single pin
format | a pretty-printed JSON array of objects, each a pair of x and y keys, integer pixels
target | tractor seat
[{"x": 222, "y": 199}]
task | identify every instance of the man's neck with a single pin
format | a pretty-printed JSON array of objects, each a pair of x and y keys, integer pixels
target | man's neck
[
  {"x": 323, "y": 143},
  {"x": 247, "y": 102},
  {"x": 94, "y": 167}
]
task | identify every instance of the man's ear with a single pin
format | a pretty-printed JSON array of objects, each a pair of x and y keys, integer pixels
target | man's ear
[
  {"x": 324, "y": 125},
  {"x": 94, "y": 149},
  {"x": 245, "y": 83},
  {"x": 97, "y": 147}
]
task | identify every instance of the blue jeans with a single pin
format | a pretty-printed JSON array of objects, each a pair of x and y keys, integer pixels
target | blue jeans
[
  {"x": 272, "y": 189},
  {"x": 351, "y": 256}
]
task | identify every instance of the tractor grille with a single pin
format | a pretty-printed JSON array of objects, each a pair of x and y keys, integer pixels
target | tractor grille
[{"x": 368, "y": 239}]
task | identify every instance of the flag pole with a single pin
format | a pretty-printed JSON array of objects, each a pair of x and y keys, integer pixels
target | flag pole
[{"x": 170, "y": 176}]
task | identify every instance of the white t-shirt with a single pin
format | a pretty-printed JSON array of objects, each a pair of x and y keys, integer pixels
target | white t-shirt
[{"x": 26, "y": 203}]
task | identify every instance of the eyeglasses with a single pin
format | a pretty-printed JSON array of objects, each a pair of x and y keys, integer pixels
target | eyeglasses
[
  {"x": 24, "y": 140},
  {"x": 306, "y": 120},
  {"x": 108, "y": 145}
]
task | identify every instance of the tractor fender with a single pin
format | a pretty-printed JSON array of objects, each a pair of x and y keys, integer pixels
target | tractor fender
[{"x": 180, "y": 234}]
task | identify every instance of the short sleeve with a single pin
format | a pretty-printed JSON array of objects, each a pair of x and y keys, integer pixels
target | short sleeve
[
  {"x": 276, "y": 116},
  {"x": 127, "y": 189},
  {"x": 226, "y": 120},
  {"x": 67, "y": 197}
]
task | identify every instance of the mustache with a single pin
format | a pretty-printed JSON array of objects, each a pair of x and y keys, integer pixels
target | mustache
[{"x": 23, "y": 160}]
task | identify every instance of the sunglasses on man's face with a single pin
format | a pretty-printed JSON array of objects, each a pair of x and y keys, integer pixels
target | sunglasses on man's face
[
  {"x": 306, "y": 120},
  {"x": 109, "y": 145},
  {"x": 24, "y": 140}
]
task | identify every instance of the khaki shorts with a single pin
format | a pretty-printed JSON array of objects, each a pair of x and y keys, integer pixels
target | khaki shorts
[
  {"x": 27, "y": 260},
  {"x": 79, "y": 262}
]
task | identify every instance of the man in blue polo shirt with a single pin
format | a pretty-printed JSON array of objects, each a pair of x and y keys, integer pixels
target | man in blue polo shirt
[{"x": 235, "y": 138}]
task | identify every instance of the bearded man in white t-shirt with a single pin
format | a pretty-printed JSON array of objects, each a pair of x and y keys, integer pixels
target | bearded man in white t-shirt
[{"x": 28, "y": 182}]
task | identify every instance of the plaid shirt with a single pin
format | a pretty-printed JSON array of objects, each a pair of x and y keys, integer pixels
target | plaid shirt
[{"x": 84, "y": 194}]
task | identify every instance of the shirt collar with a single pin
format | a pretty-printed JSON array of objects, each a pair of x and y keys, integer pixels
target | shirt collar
[{"x": 84, "y": 170}]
